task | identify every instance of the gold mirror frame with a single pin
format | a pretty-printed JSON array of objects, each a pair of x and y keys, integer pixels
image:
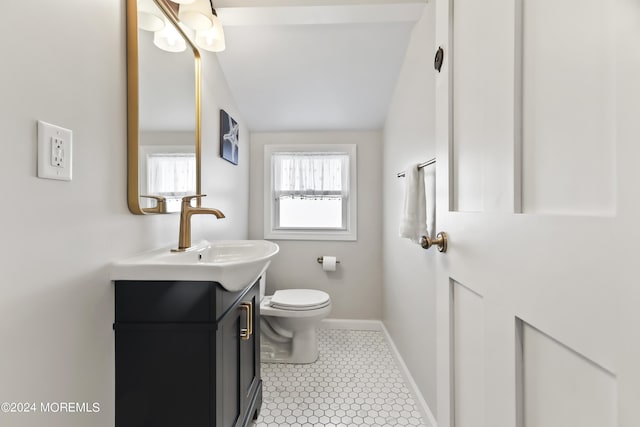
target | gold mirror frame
[{"x": 133, "y": 118}]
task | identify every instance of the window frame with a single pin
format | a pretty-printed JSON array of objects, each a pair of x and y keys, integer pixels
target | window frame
[{"x": 271, "y": 213}]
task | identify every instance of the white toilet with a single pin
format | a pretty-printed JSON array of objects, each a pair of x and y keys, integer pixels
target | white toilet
[{"x": 288, "y": 324}]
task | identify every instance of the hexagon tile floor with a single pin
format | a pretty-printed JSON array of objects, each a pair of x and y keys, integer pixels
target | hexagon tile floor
[{"x": 355, "y": 382}]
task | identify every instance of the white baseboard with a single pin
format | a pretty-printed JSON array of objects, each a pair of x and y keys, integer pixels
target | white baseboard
[
  {"x": 351, "y": 324},
  {"x": 377, "y": 325},
  {"x": 422, "y": 404}
]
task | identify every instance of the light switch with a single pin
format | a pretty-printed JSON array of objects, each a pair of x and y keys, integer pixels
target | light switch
[{"x": 54, "y": 151}]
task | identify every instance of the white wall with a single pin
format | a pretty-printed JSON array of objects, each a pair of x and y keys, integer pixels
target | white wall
[
  {"x": 409, "y": 282},
  {"x": 64, "y": 62},
  {"x": 225, "y": 184},
  {"x": 356, "y": 286}
]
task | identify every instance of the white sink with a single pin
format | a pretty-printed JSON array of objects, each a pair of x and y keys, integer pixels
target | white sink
[{"x": 234, "y": 264}]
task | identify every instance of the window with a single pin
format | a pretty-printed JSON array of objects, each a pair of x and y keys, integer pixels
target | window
[{"x": 310, "y": 192}]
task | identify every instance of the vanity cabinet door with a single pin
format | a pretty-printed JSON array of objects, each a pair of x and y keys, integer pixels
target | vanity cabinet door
[
  {"x": 162, "y": 375},
  {"x": 238, "y": 363},
  {"x": 228, "y": 412},
  {"x": 250, "y": 383}
]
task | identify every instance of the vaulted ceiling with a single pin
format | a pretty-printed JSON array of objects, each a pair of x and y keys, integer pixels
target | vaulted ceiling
[{"x": 314, "y": 64}]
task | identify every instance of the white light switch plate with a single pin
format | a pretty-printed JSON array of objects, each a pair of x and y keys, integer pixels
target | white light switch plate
[{"x": 54, "y": 152}]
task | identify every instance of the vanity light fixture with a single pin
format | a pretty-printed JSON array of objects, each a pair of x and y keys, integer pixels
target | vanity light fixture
[
  {"x": 201, "y": 17},
  {"x": 149, "y": 17},
  {"x": 169, "y": 39},
  {"x": 213, "y": 38},
  {"x": 198, "y": 16}
]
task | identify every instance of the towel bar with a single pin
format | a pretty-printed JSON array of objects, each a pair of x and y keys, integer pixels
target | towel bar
[{"x": 420, "y": 166}]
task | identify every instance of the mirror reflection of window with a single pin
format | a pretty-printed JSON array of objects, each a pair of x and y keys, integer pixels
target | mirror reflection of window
[
  {"x": 171, "y": 175},
  {"x": 166, "y": 170}
]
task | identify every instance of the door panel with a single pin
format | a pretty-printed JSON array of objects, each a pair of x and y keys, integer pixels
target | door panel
[
  {"x": 569, "y": 59},
  {"x": 482, "y": 149},
  {"x": 468, "y": 333},
  {"x": 560, "y": 387}
]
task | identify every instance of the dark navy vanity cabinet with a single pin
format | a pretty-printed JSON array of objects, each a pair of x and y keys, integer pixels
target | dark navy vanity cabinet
[{"x": 187, "y": 354}]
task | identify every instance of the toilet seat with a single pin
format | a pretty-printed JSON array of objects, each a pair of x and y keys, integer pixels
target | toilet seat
[{"x": 299, "y": 299}]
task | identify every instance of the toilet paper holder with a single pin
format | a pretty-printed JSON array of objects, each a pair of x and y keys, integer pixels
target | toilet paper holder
[{"x": 321, "y": 260}]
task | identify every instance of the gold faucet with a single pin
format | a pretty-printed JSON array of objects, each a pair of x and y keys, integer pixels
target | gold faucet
[
  {"x": 160, "y": 207},
  {"x": 186, "y": 212}
]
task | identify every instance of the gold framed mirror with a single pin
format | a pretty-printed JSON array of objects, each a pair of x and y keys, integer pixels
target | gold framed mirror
[{"x": 163, "y": 109}]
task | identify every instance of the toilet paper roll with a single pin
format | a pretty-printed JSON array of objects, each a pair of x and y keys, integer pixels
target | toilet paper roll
[{"x": 328, "y": 263}]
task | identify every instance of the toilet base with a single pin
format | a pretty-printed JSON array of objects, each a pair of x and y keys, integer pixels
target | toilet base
[{"x": 302, "y": 348}]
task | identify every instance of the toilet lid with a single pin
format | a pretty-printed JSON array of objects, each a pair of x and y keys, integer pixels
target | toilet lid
[{"x": 299, "y": 299}]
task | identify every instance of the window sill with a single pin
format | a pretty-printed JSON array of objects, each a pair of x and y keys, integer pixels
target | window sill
[{"x": 311, "y": 235}]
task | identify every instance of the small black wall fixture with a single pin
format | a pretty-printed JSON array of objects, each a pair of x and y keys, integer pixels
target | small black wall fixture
[{"x": 439, "y": 59}]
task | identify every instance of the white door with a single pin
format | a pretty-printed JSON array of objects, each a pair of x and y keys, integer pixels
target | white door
[{"x": 538, "y": 171}]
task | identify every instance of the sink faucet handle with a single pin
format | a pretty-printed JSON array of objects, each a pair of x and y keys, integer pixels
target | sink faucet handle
[
  {"x": 161, "y": 204},
  {"x": 187, "y": 199}
]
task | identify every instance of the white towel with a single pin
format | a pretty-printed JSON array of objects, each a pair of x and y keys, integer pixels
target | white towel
[
  {"x": 430, "y": 191},
  {"x": 413, "y": 223}
]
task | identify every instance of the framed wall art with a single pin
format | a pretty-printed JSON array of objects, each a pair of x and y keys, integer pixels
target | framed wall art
[{"x": 228, "y": 138}]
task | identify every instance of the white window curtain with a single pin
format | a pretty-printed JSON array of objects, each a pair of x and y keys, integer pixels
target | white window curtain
[
  {"x": 308, "y": 175},
  {"x": 171, "y": 174}
]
